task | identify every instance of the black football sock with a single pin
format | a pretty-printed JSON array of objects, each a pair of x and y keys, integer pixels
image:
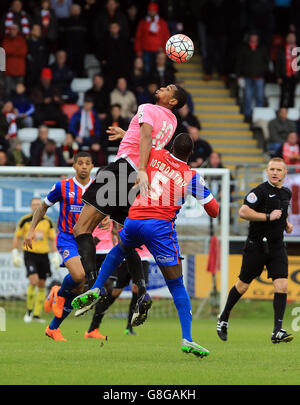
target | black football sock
[
  {"x": 232, "y": 299},
  {"x": 279, "y": 304},
  {"x": 87, "y": 252},
  {"x": 131, "y": 310},
  {"x": 135, "y": 269},
  {"x": 100, "y": 309}
]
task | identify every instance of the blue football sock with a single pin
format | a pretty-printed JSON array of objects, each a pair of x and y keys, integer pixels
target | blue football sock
[
  {"x": 67, "y": 285},
  {"x": 183, "y": 305},
  {"x": 111, "y": 262},
  {"x": 55, "y": 323}
]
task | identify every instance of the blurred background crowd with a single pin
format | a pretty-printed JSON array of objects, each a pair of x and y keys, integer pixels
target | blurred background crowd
[{"x": 119, "y": 47}]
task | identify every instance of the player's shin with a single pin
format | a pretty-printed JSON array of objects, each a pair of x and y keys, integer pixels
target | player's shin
[
  {"x": 100, "y": 309},
  {"x": 87, "y": 252},
  {"x": 111, "y": 262},
  {"x": 56, "y": 322},
  {"x": 183, "y": 305},
  {"x": 135, "y": 269}
]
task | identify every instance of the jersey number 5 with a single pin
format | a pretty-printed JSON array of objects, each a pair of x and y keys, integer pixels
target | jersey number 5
[{"x": 156, "y": 187}]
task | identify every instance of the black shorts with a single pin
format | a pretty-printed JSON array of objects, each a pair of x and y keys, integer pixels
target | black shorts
[
  {"x": 109, "y": 193},
  {"x": 255, "y": 258},
  {"x": 37, "y": 263},
  {"x": 121, "y": 276}
]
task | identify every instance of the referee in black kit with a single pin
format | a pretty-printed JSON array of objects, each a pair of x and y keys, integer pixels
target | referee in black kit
[{"x": 266, "y": 209}]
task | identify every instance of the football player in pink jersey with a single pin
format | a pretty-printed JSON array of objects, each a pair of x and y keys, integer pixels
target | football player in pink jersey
[
  {"x": 112, "y": 192},
  {"x": 151, "y": 221}
]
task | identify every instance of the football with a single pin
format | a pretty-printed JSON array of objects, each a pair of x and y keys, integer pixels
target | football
[{"x": 179, "y": 48}]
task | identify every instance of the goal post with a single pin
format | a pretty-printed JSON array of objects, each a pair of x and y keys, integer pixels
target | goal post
[{"x": 19, "y": 184}]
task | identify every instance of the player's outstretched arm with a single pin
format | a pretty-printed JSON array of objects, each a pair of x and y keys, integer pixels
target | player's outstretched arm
[
  {"x": 37, "y": 216},
  {"x": 115, "y": 133}
]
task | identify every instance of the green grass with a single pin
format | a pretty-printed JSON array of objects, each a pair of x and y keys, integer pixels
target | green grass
[{"x": 152, "y": 357}]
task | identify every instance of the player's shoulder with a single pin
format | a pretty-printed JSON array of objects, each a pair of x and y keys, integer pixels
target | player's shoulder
[
  {"x": 257, "y": 193},
  {"x": 49, "y": 220},
  {"x": 24, "y": 219},
  {"x": 287, "y": 191}
]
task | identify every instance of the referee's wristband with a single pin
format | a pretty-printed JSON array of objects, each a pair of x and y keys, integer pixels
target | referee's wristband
[{"x": 268, "y": 217}]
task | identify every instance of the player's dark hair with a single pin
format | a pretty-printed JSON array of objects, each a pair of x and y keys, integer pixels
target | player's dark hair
[
  {"x": 183, "y": 146},
  {"x": 81, "y": 154},
  {"x": 181, "y": 97}
]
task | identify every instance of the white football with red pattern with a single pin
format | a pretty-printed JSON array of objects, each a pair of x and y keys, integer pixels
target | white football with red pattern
[{"x": 179, "y": 48}]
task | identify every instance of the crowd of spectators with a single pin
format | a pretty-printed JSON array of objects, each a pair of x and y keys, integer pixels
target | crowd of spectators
[{"x": 46, "y": 41}]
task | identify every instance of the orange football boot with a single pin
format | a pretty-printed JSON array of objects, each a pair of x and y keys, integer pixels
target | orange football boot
[
  {"x": 58, "y": 304},
  {"x": 49, "y": 300},
  {"x": 54, "y": 334},
  {"x": 95, "y": 334}
]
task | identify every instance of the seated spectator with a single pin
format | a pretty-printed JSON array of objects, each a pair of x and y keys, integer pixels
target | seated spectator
[
  {"x": 47, "y": 101},
  {"x": 138, "y": 79},
  {"x": 189, "y": 101},
  {"x": 113, "y": 49},
  {"x": 100, "y": 95},
  {"x": 85, "y": 125},
  {"x": 37, "y": 56},
  {"x": 62, "y": 77},
  {"x": 16, "y": 15},
  {"x": 151, "y": 36},
  {"x": 148, "y": 95},
  {"x": 51, "y": 155},
  {"x": 289, "y": 151},
  {"x": 279, "y": 128},
  {"x": 186, "y": 120},
  {"x": 37, "y": 146},
  {"x": 163, "y": 71},
  {"x": 15, "y": 47},
  {"x": 46, "y": 18},
  {"x": 114, "y": 119},
  {"x": 15, "y": 154},
  {"x": 3, "y": 158},
  {"x": 69, "y": 149},
  {"x": 10, "y": 114},
  {"x": 202, "y": 149},
  {"x": 23, "y": 106},
  {"x": 126, "y": 98},
  {"x": 287, "y": 77},
  {"x": 75, "y": 32}
]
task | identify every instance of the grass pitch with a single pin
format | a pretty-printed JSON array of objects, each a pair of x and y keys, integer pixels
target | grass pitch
[{"x": 154, "y": 356}]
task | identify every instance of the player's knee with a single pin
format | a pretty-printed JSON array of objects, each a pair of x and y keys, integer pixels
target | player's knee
[
  {"x": 78, "y": 277},
  {"x": 281, "y": 285},
  {"x": 241, "y": 287}
]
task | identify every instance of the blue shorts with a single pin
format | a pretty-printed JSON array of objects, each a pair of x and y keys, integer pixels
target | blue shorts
[
  {"x": 158, "y": 235},
  {"x": 66, "y": 245}
]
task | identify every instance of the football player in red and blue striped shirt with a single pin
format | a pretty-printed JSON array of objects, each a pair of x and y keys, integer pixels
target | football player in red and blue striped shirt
[{"x": 68, "y": 193}]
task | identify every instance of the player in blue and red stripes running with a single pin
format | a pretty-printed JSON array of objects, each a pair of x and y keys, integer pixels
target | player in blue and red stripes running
[
  {"x": 68, "y": 193},
  {"x": 151, "y": 222}
]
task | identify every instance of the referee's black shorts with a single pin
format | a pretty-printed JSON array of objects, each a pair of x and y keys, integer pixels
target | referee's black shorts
[
  {"x": 109, "y": 192},
  {"x": 255, "y": 259},
  {"x": 37, "y": 263},
  {"x": 121, "y": 276}
]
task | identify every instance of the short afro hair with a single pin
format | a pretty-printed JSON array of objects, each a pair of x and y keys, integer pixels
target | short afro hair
[
  {"x": 181, "y": 97},
  {"x": 183, "y": 145}
]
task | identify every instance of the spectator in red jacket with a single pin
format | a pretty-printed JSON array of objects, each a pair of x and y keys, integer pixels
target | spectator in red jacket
[
  {"x": 151, "y": 36},
  {"x": 15, "y": 47}
]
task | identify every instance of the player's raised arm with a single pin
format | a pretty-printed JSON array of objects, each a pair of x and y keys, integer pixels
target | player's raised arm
[
  {"x": 37, "y": 216},
  {"x": 145, "y": 149}
]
